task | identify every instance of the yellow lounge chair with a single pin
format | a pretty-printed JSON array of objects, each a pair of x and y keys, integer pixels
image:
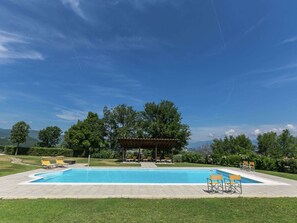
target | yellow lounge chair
[
  {"x": 215, "y": 183},
  {"x": 60, "y": 161},
  {"x": 251, "y": 166},
  {"x": 47, "y": 164},
  {"x": 244, "y": 165},
  {"x": 233, "y": 184}
]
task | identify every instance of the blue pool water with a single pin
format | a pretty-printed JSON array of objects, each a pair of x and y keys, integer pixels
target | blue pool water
[{"x": 146, "y": 176}]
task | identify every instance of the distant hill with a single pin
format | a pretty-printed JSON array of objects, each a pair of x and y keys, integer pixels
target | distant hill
[
  {"x": 198, "y": 144},
  {"x": 32, "y": 139}
]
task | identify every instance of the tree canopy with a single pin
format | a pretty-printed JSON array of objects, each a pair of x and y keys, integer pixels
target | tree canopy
[
  {"x": 86, "y": 134},
  {"x": 163, "y": 120},
  {"x": 50, "y": 136},
  {"x": 269, "y": 144},
  {"x": 232, "y": 145},
  {"x": 121, "y": 121},
  {"x": 19, "y": 133}
]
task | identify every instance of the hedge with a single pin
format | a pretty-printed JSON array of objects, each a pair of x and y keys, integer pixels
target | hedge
[
  {"x": 39, "y": 151},
  {"x": 2, "y": 149}
]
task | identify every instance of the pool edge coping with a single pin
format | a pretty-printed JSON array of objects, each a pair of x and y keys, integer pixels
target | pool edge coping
[{"x": 262, "y": 181}]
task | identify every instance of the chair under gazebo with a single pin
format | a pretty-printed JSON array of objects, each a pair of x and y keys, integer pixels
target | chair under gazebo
[{"x": 147, "y": 143}]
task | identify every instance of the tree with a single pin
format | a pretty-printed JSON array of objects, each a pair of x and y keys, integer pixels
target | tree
[
  {"x": 268, "y": 144},
  {"x": 287, "y": 144},
  {"x": 86, "y": 134},
  {"x": 121, "y": 122},
  {"x": 50, "y": 136},
  {"x": 232, "y": 145},
  {"x": 163, "y": 120},
  {"x": 19, "y": 133}
]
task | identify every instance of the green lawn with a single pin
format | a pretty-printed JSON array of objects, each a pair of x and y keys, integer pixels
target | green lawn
[
  {"x": 7, "y": 168},
  {"x": 138, "y": 210},
  {"x": 291, "y": 176}
]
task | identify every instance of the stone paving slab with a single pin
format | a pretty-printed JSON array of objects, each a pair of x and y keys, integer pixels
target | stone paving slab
[
  {"x": 11, "y": 188},
  {"x": 148, "y": 165}
]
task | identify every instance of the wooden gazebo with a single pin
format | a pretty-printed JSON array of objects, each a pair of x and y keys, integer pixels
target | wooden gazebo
[{"x": 146, "y": 143}]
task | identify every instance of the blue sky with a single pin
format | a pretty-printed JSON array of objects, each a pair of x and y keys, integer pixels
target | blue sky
[{"x": 230, "y": 66}]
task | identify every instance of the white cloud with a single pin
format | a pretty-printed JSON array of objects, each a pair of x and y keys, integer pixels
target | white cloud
[
  {"x": 256, "y": 132},
  {"x": 14, "y": 46},
  {"x": 290, "y": 127},
  {"x": 289, "y": 40},
  {"x": 75, "y": 6},
  {"x": 72, "y": 115},
  {"x": 230, "y": 132},
  {"x": 211, "y": 135},
  {"x": 210, "y": 132}
]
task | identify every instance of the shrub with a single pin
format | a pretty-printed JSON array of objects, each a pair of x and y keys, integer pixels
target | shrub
[
  {"x": 177, "y": 158},
  {"x": 104, "y": 154},
  {"x": 192, "y": 157},
  {"x": 2, "y": 149},
  {"x": 39, "y": 151},
  {"x": 234, "y": 160},
  {"x": 287, "y": 165}
]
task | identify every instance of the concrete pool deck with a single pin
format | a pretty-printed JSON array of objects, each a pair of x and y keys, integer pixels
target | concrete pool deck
[{"x": 13, "y": 187}]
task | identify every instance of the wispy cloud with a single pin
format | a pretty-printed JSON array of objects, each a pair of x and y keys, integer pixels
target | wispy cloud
[
  {"x": 72, "y": 115},
  {"x": 14, "y": 46},
  {"x": 289, "y": 40},
  {"x": 218, "y": 23},
  {"x": 75, "y": 6},
  {"x": 274, "y": 69},
  {"x": 134, "y": 42},
  {"x": 256, "y": 25},
  {"x": 282, "y": 79},
  {"x": 144, "y": 4}
]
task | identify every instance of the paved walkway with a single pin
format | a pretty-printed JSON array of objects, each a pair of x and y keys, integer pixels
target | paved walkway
[
  {"x": 11, "y": 188},
  {"x": 148, "y": 165}
]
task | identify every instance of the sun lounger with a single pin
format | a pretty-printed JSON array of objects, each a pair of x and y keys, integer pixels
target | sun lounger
[
  {"x": 244, "y": 165},
  {"x": 167, "y": 159},
  {"x": 60, "y": 162},
  {"x": 233, "y": 184},
  {"x": 251, "y": 166},
  {"x": 158, "y": 159},
  {"x": 215, "y": 183},
  {"x": 47, "y": 164}
]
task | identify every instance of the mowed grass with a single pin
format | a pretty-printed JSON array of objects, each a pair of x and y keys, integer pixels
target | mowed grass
[
  {"x": 291, "y": 176},
  {"x": 138, "y": 210},
  {"x": 6, "y": 167},
  {"x": 34, "y": 162}
]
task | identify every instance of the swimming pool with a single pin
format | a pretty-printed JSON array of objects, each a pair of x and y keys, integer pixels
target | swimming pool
[{"x": 130, "y": 176}]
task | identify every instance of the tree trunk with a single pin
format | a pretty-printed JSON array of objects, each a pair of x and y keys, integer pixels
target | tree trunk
[{"x": 16, "y": 151}]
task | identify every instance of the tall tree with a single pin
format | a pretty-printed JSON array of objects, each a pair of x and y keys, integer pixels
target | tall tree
[
  {"x": 19, "y": 133},
  {"x": 232, "y": 145},
  {"x": 268, "y": 144},
  {"x": 86, "y": 134},
  {"x": 121, "y": 122},
  {"x": 50, "y": 136},
  {"x": 163, "y": 120},
  {"x": 287, "y": 144}
]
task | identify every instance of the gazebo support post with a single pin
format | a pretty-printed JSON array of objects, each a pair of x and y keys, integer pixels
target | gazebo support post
[
  {"x": 172, "y": 155},
  {"x": 123, "y": 155},
  {"x": 139, "y": 155},
  {"x": 156, "y": 151}
]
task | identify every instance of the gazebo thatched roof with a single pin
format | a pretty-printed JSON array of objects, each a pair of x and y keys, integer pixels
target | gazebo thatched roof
[{"x": 147, "y": 143}]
